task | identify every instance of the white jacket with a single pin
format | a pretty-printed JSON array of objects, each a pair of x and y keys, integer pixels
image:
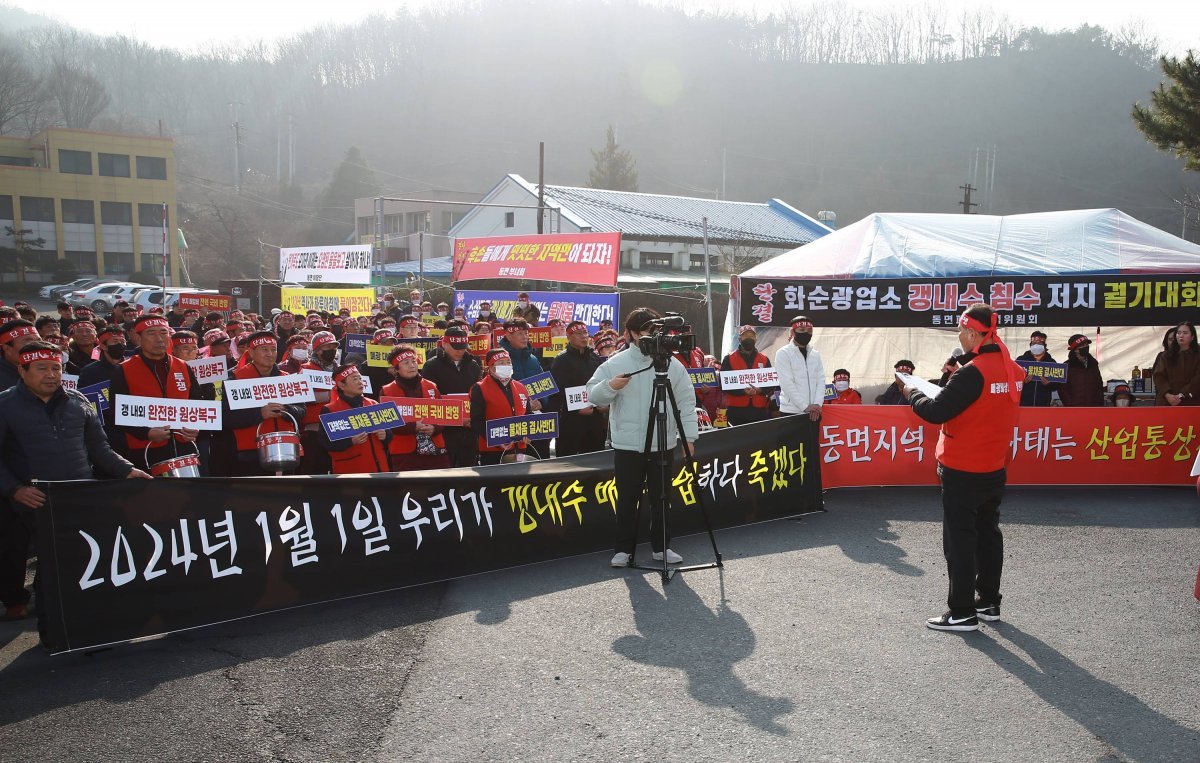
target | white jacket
[
  {"x": 629, "y": 414},
  {"x": 801, "y": 379}
]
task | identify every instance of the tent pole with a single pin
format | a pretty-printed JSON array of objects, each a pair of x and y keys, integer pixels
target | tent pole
[{"x": 708, "y": 290}]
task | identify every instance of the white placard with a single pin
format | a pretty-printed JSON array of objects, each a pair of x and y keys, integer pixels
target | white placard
[
  {"x": 750, "y": 377},
  {"x": 70, "y": 381},
  {"x": 928, "y": 389},
  {"x": 367, "y": 385},
  {"x": 325, "y": 264},
  {"x": 255, "y": 393},
  {"x": 135, "y": 411},
  {"x": 209, "y": 370},
  {"x": 577, "y": 398},
  {"x": 324, "y": 380}
]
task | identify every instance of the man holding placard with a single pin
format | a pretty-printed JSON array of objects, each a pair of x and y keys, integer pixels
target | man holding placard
[
  {"x": 364, "y": 452},
  {"x": 247, "y": 421},
  {"x": 583, "y": 429},
  {"x": 498, "y": 396},
  {"x": 417, "y": 445}
]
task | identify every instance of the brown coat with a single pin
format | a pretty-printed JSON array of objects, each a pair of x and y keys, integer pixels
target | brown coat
[{"x": 1182, "y": 376}]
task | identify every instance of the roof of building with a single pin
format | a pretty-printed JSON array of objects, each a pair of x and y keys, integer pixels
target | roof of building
[{"x": 659, "y": 217}]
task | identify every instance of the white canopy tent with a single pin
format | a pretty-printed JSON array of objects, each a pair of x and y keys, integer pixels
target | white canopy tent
[{"x": 912, "y": 246}]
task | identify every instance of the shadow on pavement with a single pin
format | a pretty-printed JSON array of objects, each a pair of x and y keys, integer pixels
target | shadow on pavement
[
  {"x": 679, "y": 631},
  {"x": 1112, "y": 715}
]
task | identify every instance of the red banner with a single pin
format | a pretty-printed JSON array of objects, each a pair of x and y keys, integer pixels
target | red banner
[
  {"x": 865, "y": 445},
  {"x": 221, "y": 303},
  {"x": 590, "y": 258},
  {"x": 438, "y": 411},
  {"x": 479, "y": 344}
]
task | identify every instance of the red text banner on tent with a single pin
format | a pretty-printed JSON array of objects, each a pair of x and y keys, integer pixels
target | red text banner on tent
[
  {"x": 888, "y": 445},
  {"x": 221, "y": 303},
  {"x": 590, "y": 258}
]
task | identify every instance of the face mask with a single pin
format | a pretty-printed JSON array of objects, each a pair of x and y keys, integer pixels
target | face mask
[
  {"x": 485, "y": 313},
  {"x": 115, "y": 351},
  {"x": 747, "y": 344},
  {"x": 803, "y": 338},
  {"x": 327, "y": 356},
  {"x": 300, "y": 355},
  {"x": 65, "y": 358},
  {"x": 1083, "y": 352},
  {"x": 841, "y": 386},
  {"x": 1037, "y": 349},
  {"x": 523, "y": 304},
  {"x": 1123, "y": 402},
  {"x": 503, "y": 373}
]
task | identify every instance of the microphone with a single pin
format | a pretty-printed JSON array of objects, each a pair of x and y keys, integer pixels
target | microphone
[{"x": 954, "y": 356}]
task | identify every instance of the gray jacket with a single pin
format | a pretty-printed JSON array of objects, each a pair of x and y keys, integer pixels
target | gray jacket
[
  {"x": 59, "y": 440},
  {"x": 628, "y": 417}
]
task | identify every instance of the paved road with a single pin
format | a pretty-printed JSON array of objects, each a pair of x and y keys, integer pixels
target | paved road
[{"x": 809, "y": 646}]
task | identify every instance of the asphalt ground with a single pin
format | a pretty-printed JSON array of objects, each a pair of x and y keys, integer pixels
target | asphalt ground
[{"x": 809, "y": 645}]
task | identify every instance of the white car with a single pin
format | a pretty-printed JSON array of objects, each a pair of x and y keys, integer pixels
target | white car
[
  {"x": 101, "y": 298},
  {"x": 152, "y": 296},
  {"x": 49, "y": 292}
]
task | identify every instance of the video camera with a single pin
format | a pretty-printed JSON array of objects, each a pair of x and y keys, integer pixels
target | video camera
[{"x": 666, "y": 337}]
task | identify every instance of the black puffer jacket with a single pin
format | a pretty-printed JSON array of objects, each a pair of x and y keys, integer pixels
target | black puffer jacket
[{"x": 58, "y": 440}]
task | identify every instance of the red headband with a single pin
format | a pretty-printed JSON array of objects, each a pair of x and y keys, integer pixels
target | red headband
[
  {"x": 13, "y": 334},
  {"x": 1081, "y": 341},
  {"x": 109, "y": 332},
  {"x": 801, "y": 325},
  {"x": 976, "y": 324},
  {"x": 262, "y": 341},
  {"x": 498, "y": 357},
  {"x": 404, "y": 355},
  {"x": 151, "y": 323},
  {"x": 1010, "y": 368},
  {"x": 183, "y": 340},
  {"x": 35, "y": 355},
  {"x": 345, "y": 373}
]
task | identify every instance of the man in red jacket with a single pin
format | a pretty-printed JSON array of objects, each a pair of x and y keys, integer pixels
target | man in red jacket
[
  {"x": 364, "y": 453},
  {"x": 977, "y": 410}
]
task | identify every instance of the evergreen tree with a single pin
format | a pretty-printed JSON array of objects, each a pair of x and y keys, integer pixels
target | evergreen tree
[
  {"x": 615, "y": 167},
  {"x": 1172, "y": 122},
  {"x": 353, "y": 179}
]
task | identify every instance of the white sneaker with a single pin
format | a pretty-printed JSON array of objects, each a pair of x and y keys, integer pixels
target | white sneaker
[
  {"x": 672, "y": 557},
  {"x": 620, "y": 559}
]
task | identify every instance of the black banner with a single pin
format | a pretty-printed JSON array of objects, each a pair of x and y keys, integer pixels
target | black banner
[
  {"x": 1113, "y": 300},
  {"x": 125, "y": 559}
]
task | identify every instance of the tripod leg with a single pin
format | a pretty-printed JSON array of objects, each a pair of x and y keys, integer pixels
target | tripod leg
[{"x": 691, "y": 464}]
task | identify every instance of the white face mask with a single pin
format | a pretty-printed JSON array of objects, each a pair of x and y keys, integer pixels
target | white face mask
[
  {"x": 1037, "y": 349},
  {"x": 523, "y": 304},
  {"x": 841, "y": 386},
  {"x": 300, "y": 355},
  {"x": 1123, "y": 402},
  {"x": 504, "y": 373}
]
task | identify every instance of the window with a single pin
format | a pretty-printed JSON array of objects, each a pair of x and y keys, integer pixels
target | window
[
  {"x": 450, "y": 219},
  {"x": 37, "y": 209},
  {"x": 510, "y": 219},
  {"x": 84, "y": 262},
  {"x": 74, "y": 162},
  {"x": 151, "y": 168},
  {"x": 117, "y": 264},
  {"x": 366, "y": 227},
  {"x": 6, "y": 208},
  {"x": 417, "y": 222},
  {"x": 16, "y": 161},
  {"x": 393, "y": 224},
  {"x": 114, "y": 165},
  {"x": 150, "y": 215},
  {"x": 78, "y": 211},
  {"x": 115, "y": 213},
  {"x": 152, "y": 263}
]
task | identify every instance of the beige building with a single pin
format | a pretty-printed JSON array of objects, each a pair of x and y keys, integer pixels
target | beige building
[{"x": 96, "y": 198}]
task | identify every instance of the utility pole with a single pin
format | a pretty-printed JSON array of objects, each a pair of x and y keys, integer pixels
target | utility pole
[
  {"x": 541, "y": 184},
  {"x": 291, "y": 152},
  {"x": 237, "y": 140},
  {"x": 966, "y": 203}
]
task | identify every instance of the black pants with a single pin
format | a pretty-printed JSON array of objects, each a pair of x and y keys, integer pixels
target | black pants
[
  {"x": 579, "y": 435},
  {"x": 746, "y": 415},
  {"x": 971, "y": 537},
  {"x": 633, "y": 472},
  {"x": 16, "y": 532},
  {"x": 461, "y": 446}
]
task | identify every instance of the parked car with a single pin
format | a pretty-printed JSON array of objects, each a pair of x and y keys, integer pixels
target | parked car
[
  {"x": 55, "y": 291},
  {"x": 152, "y": 296},
  {"x": 102, "y": 297}
]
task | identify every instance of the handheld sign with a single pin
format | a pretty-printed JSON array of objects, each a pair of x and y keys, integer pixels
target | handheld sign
[
  {"x": 465, "y": 399},
  {"x": 209, "y": 370},
  {"x": 830, "y": 392},
  {"x": 318, "y": 379},
  {"x": 540, "y": 336},
  {"x": 704, "y": 377},
  {"x": 577, "y": 398},
  {"x": 355, "y": 344},
  {"x": 1051, "y": 372},
  {"x": 97, "y": 395},
  {"x": 205, "y": 303},
  {"x": 539, "y": 426},
  {"x": 377, "y": 355},
  {"x": 255, "y": 393},
  {"x": 70, "y": 381},
  {"x": 479, "y": 344},
  {"x": 750, "y": 377},
  {"x": 438, "y": 411},
  {"x": 541, "y": 385},
  {"x": 342, "y": 425},
  {"x": 136, "y": 411}
]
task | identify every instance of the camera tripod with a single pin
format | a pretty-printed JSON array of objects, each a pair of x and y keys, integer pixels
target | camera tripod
[{"x": 662, "y": 397}]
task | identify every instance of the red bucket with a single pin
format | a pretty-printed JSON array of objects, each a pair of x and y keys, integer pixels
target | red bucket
[{"x": 180, "y": 466}]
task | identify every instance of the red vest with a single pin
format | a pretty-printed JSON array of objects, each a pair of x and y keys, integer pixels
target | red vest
[
  {"x": 247, "y": 437},
  {"x": 496, "y": 406},
  {"x": 403, "y": 443},
  {"x": 357, "y": 459},
  {"x": 738, "y": 363},
  {"x": 312, "y": 411},
  {"x": 849, "y": 397},
  {"x": 144, "y": 383},
  {"x": 977, "y": 440}
]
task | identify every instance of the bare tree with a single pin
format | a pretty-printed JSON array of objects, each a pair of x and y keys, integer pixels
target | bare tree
[
  {"x": 20, "y": 90},
  {"x": 79, "y": 95}
]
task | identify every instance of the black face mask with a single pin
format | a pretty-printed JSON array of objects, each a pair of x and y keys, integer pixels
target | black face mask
[
  {"x": 1083, "y": 352},
  {"x": 803, "y": 338},
  {"x": 747, "y": 345},
  {"x": 115, "y": 351},
  {"x": 327, "y": 356}
]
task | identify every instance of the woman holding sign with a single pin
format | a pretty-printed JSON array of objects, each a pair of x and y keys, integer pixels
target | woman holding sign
[
  {"x": 498, "y": 396},
  {"x": 416, "y": 445},
  {"x": 363, "y": 453}
]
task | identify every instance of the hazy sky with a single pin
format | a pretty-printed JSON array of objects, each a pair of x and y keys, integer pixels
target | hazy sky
[{"x": 189, "y": 25}]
